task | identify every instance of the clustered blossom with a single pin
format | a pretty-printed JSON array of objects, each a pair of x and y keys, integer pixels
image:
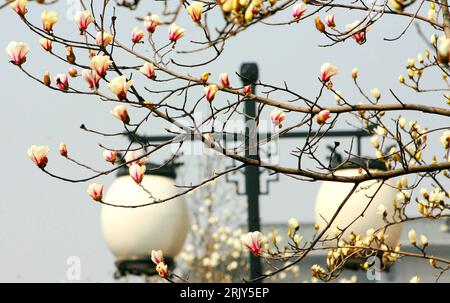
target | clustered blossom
[
  {"x": 121, "y": 113},
  {"x": 329, "y": 21},
  {"x": 49, "y": 19},
  {"x": 175, "y": 33},
  {"x": 224, "y": 80},
  {"x": 162, "y": 268},
  {"x": 277, "y": 116},
  {"x": 83, "y": 19},
  {"x": 357, "y": 31},
  {"x": 63, "y": 149},
  {"x": 104, "y": 39},
  {"x": 210, "y": 92},
  {"x": 137, "y": 35},
  {"x": 19, "y": 6},
  {"x": 327, "y": 70},
  {"x": 253, "y": 242},
  {"x": 148, "y": 70},
  {"x": 17, "y": 51},
  {"x": 195, "y": 10},
  {"x": 137, "y": 172},
  {"x": 298, "y": 10},
  {"x": 92, "y": 78},
  {"x": 323, "y": 116},
  {"x": 38, "y": 154},
  {"x": 120, "y": 86},
  {"x": 151, "y": 23},
  {"x": 95, "y": 191},
  {"x": 62, "y": 82},
  {"x": 100, "y": 64},
  {"x": 110, "y": 156}
]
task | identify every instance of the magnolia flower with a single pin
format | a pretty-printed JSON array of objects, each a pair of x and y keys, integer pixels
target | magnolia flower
[
  {"x": 100, "y": 64},
  {"x": 424, "y": 240},
  {"x": 137, "y": 35},
  {"x": 319, "y": 24},
  {"x": 157, "y": 256},
  {"x": 195, "y": 10},
  {"x": 121, "y": 113},
  {"x": 298, "y": 10},
  {"x": 414, "y": 279},
  {"x": 376, "y": 93},
  {"x": 329, "y": 20},
  {"x": 247, "y": 90},
  {"x": 210, "y": 92},
  {"x": 19, "y": 6},
  {"x": 137, "y": 172},
  {"x": 92, "y": 78},
  {"x": 110, "y": 156},
  {"x": 444, "y": 49},
  {"x": 204, "y": 77},
  {"x": 175, "y": 32},
  {"x": 327, "y": 71},
  {"x": 83, "y": 19},
  {"x": 148, "y": 70},
  {"x": 103, "y": 38},
  {"x": 293, "y": 223},
  {"x": 382, "y": 210},
  {"x": 17, "y": 51},
  {"x": 253, "y": 242},
  {"x": 49, "y": 19},
  {"x": 151, "y": 22},
  {"x": 357, "y": 31},
  {"x": 323, "y": 116},
  {"x": 224, "y": 80},
  {"x": 62, "y": 81},
  {"x": 277, "y": 117},
  {"x": 445, "y": 139},
  {"x": 95, "y": 191},
  {"x": 63, "y": 149},
  {"x": 412, "y": 236},
  {"x": 38, "y": 154},
  {"x": 119, "y": 86},
  {"x": 162, "y": 270},
  {"x": 135, "y": 157}
]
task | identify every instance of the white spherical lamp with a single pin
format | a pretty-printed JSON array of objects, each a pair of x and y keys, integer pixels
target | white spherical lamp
[
  {"x": 332, "y": 194},
  {"x": 132, "y": 233}
]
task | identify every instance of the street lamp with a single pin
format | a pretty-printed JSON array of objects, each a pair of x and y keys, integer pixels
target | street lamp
[
  {"x": 364, "y": 201},
  {"x": 249, "y": 75},
  {"x": 132, "y": 233}
]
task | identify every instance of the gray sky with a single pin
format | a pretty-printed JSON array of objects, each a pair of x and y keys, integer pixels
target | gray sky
[{"x": 44, "y": 221}]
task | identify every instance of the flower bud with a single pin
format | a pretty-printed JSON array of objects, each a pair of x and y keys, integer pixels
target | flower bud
[
  {"x": 38, "y": 154},
  {"x": 175, "y": 33},
  {"x": 298, "y": 10},
  {"x": 412, "y": 236},
  {"x": 17, "y": 51},
  {"x": 121, "y": 113},
  {"x": 83, "y": 19},
  {"x": 104, "y": 39},
  {"x": 73, "y": 72},
  {"x": 137, "y": 172},
  {"x": 120, "y": 86},
  {"x": 195, "y": 11},
  {"x": 19, "y": 6},
  {"x": 323, "y": 116},
  {"x": 47, "y": 81},
  {"x": 110, "y": 156},
  {"x": 49, "y": 19},
  {"x": 151, "y": 22},
  {"x": 319, "y": 24},
  {"x": 210, "y": 92},
  {"x": 62, "y": 82},
  {"x": 327, "y": 71},
  {"x": 46, "y": 44},
  {"x": 137, "y": 35},
  {"x": 224, "y": 80},
  {"x": 148, "y": 70},
  {"x": 329, "y": 21},
  {"x": 63, "y": 149},
  {"x": 376, "y": 93},
  {"x": 204, "y": 77},
  {"x": 95, "y": 191}
]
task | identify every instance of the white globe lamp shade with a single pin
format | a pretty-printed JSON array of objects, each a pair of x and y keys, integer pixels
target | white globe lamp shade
[
  {"x": 132, "y": 233},
  {"x": 332, "y": 194}
]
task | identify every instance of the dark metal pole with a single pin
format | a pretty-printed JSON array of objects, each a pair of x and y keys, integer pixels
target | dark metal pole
[{"x": 249, "y": 72}]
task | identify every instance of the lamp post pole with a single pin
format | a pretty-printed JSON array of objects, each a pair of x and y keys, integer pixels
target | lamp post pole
[{"x": 249, "y": 73}]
